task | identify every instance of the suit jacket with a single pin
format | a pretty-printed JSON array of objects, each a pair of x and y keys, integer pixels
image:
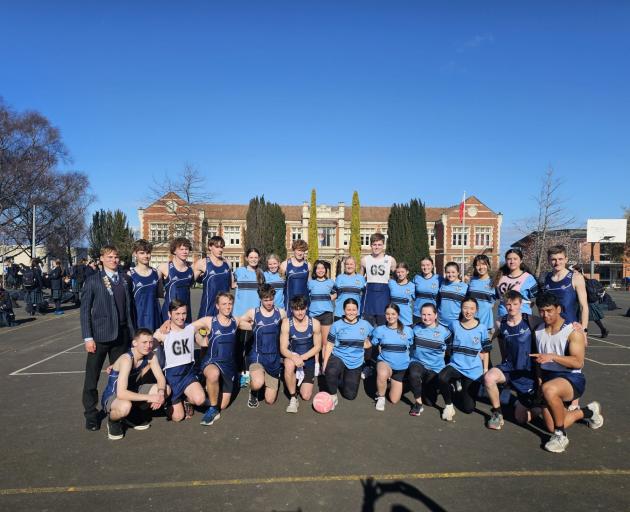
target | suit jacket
[{"x": 99, "y": 316}]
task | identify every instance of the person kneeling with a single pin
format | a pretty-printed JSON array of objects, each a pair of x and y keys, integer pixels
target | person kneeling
[
  {"x": 125, "y": 396},
  {"x": 300, "y": 344}
]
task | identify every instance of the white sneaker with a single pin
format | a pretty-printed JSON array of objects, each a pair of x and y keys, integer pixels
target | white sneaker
[
  {"x": 293, "y": 405},
  {"x": 299, "y": 375},
  {"x": 557, "y": 444},
  {"x": 380, "y": 403},
  {"x": 448, "y": 413},
  {"x": 335, "y": 401},
  {"x": 597, "y": 420},
  {"x": 317, "y": 369},
  {"x": 366, "y": 372}
]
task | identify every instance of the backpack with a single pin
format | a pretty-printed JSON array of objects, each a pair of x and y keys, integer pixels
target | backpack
[
  {"x": 28, "y": 278},
  {"x": 593, "y": 290}
]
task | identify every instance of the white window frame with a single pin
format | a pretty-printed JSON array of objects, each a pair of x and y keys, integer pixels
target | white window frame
[
  {"x": 329, "y": 234},
  {"x": 163, "y": 228},
  {"x": 431, "y": 236},
  {"x": 485, "y": 231},
  {"x": 233, "y": 261},
  {"x": 460, "y": 234},
  {"x": 296, "y": 234},
  {"x": 232, "y": 238}
]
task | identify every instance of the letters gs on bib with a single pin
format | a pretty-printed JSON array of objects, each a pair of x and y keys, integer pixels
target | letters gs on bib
[{"x": 377, "y": 270}]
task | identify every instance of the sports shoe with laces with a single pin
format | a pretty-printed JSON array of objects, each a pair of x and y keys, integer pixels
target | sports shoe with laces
[
  {"x": 252, "y": 402},
  {"x": 335, "y": 401},
  {"x": 211, "y": 415},
  {"x": 115, "y": 430},
  {"x": 448, "y": 413},
  {"x": 597, "y": 420},
  {"x": 558, "y": 443},
  {"x": 496, "y": 421},
  {"x": 380, "y": 403},
  {"x": 293, "y": 405},
  {"x": 416, "y": 409}
]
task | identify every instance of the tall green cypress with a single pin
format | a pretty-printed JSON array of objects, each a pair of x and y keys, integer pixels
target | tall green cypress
[
  {"x": 313, "y": 238},
  {"x": 355, "y": 229},
  {"x": 419, "y": 235},
  {"x": 266, "y": 228}
]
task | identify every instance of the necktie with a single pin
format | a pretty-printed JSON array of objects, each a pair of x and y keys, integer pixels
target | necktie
[{"x": 115, "y": 278}]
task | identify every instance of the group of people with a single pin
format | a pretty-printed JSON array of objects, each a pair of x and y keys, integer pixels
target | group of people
[{"x": 292, "y": 322}]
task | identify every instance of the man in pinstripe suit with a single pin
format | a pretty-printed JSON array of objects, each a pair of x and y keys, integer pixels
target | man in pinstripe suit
[{"x": 106, "y": 326}]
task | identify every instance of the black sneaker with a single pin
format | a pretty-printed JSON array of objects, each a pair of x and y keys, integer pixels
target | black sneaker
[
  {"x": 138, "y": 420},
  {"x": 252, "y": 403},
  {"x": 416, "y": 409},
  {"x": 92, "y": 425},
  {"x": 115, "y": 430}
]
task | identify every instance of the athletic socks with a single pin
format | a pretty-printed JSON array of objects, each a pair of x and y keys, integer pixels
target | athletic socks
[
  {"x": 559, "y": 430},
  {"x": 588, "y": 413}
]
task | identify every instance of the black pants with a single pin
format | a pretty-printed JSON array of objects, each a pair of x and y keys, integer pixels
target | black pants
[
  {"x": 350, "y": 379},
  {"x": 423, "y": 383},
  {"x": 93, "y": 367},
  {"x": 465, "y": 399}
]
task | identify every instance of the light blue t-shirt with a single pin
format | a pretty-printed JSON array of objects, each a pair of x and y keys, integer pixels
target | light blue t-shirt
[
  {"x": 246, "y": 296},
  {"x": 394, "y": 345},
  {"x": 348, "y": 339},
  {"x": 403, "y": 295},
  {"x": 348, "y": 286},
  {"x": 467, "y": 344},
  {"x": 451, "y": 297},
  {"x": 319, "y": 296},
  {"x": 426, "y": 291},
  {"x": 430, "y": 346},
  {"x": 483, "y": 291},
  {"x": 276, "y": 280}
]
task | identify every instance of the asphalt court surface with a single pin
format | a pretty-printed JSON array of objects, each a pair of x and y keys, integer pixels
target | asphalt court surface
[{"x": 265, "y": 459}]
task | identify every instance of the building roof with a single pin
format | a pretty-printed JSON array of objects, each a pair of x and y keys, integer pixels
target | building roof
[{"x": 576, "y": 233}]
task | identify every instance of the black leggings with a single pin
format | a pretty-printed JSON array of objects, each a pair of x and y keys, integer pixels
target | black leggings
[
  {"x": 335, "y": 371},
  {"x": 465, "y": 399},
  {"x": 419, "y": 376}
]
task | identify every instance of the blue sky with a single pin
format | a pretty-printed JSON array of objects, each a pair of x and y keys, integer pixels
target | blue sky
[{"x": 394, "y": 99}]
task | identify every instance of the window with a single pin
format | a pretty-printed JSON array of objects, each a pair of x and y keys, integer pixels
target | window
[
  {"x": 213, "y": 231},
  {"x": 460, "y": 236},
  {"x": 171, "y": 206},
  {"x": 431, "y": 233},
  {"x": 158, "y": 259},
  {"x": 347, "y": 234},
  {"x": 326, "y": 237},
  {"x": 232, "y": 235},
  {"x": 233, "y": 261},
  {"x": 296, "y": 234},
  {"x": 184, "y": 230},
  {"x": 365, "y": 236},
  {"x": 158, "y": 232},
  {"x": 483, "y": 236}
]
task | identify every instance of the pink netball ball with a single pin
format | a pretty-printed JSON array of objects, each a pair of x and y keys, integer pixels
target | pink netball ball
[{"x": 323, "y": 402}]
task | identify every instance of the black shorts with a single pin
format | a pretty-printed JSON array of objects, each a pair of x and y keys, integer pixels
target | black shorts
[
  {"x": 309, "y": 374},
  {"x": 398, "y": 375},
  {"x": 325, "y": 318}
]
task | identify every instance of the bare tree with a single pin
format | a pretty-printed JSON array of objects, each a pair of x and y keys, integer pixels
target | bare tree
[
  {"x": 182, "y": 197},
  {"x": 552, "y": 215}
]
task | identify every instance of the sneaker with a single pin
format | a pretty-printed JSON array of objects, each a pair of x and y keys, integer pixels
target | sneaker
[
  {"x": 335, "y": 401},
  {"x": 366, "y": 372},
  {"x": 448, "y": 413},
  {"x": 575, "y": 405},
  {"x": 458, "y": 386},
  {"x": 299, "y": 375},
  {"x": 597, "y": 420},
  {"x": 416, "y": 409},
  {"x": 317, "y": 369},
  {"x": 138, "y": 422},
  {"x": 380, "y": 403},
  {"x": 604, "y": 335},
  {"x": 211, "y": 415},
  {"x": 244, "y": 380},
  {"x": 252, "y": 403},
  {"x": 293, "y": 405},
  {"x": 61, "y": 313},
  {"x": 115, "y": 430},
  {"x": 557, "y": 444},
  {"x": 189, "y": 410},
  {"x": 496, "y": 421}
]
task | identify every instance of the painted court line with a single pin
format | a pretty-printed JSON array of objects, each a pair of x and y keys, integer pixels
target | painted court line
[
  {"x": 608, "y": 342},
  {"x": 606, "y": 364},
  {"x": 17, "y": 372},
  {"x": 313, "y": 479}
]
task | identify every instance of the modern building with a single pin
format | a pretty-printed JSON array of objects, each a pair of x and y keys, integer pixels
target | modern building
[{"x": 449, "y": 239}]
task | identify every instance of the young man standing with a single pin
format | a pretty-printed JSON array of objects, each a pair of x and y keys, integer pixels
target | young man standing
[
  {"x": 377, "y": 268},
  {"x": 178, "y": 275},
  {"x": 145, "y": 279},
  {"x": 106, "y": 326},
  {"x": 217, "y": 276},
  {"x": 300, "y": 344},
  {"x": 560, "y": 354},
  {"x": 297, "y": 272},
  {"x": 263, "y": 358},
  {"x": 125, "y": 390}
]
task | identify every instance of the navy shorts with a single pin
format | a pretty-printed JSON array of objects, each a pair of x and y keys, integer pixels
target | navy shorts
[
  {"x": 520, "y": 381},
  {"x": 179, "y": 378},
  {"x": 577, "y": 381},
  {"x": 228, "y": 373},
  {"x": 325, "y": 318}
]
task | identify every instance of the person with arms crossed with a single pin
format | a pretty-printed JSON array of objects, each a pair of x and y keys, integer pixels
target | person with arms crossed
[{"x": 216, "y": 276}]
